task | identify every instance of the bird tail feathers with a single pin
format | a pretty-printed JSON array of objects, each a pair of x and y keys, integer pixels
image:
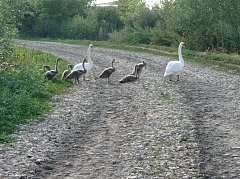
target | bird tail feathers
[{"x": 165, "y": 74}]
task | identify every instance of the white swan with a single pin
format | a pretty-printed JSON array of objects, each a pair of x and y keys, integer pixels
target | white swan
[
  {"x": 175, "y": 67},
  {"x": 89, "y": 63}
]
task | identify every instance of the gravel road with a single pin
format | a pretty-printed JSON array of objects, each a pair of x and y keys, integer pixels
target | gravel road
[{"x": 140, "y": 130}]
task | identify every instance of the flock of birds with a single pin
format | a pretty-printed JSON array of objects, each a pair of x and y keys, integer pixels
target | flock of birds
[{"x": 81, "y": 69}]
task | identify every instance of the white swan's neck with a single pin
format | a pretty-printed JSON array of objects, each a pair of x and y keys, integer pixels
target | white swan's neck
[
  {"x": 89, "y": 57},
  {"x": 180, "y": 54}
]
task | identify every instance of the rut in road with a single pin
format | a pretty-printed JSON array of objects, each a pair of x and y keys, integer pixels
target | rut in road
[{"x": 215, "y": 111}]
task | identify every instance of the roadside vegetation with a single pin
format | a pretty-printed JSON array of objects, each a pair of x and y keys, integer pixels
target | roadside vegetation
[{"x": 25, "y": 93}]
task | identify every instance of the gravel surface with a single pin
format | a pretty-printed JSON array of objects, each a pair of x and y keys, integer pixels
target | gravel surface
[{"x": 140, "y": 130}]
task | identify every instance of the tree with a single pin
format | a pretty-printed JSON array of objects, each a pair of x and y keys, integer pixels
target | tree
[
  {"x": 108, "y": 21},
  {"x": 61, "y": 10},
  {"x": 110, "y": 16},
  {"x": 129, "y": 9},
  {"x": 204, "y": 23},
  {"x": 50, "y": 15},
  {"x": 10, "y": 12}
]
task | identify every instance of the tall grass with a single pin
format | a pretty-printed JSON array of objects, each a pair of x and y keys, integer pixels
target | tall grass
[{"x": 25, "y": 93}]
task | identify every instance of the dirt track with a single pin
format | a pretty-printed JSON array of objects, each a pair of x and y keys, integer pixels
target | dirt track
[{"x": 187, "y": 129}]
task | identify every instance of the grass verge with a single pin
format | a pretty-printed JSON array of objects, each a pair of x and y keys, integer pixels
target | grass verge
[{"x": 25, "y": 93}]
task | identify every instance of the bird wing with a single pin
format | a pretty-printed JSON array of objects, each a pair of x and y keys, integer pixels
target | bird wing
[
  {"x": 139, "y": 69},
  {"x": 80, "y": 67},
  {"x": 128, "y": 78},
  {"x": 173, "y": 67},
  {"x": 75, "y": 74},
  {"x": 107, "y": 72},
  {"x": 52, "y": 72},
  {"x": 71, "y": 75}
]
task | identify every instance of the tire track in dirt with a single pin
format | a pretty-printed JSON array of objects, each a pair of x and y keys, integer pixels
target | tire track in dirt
[{"x": 213, "y": 98}]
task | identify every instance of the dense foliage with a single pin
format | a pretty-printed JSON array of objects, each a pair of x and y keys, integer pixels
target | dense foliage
[
  {"x": 202, "y": 24},
  {"x": 8, "y": 17},
  {"x": 205, "y": 23}
]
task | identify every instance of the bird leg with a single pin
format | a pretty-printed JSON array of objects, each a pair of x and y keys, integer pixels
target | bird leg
[
  {"x": 75, "y": 79},
  {"x": 170, "y": 77},
  {"x": 177, "y": 77},
  {"x": 78, "y": 80}
]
